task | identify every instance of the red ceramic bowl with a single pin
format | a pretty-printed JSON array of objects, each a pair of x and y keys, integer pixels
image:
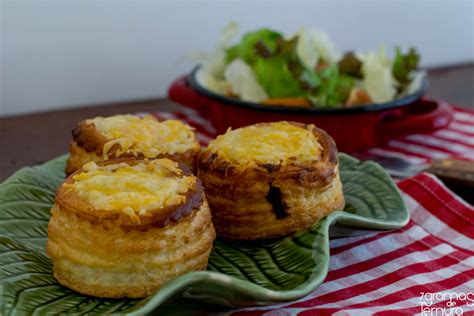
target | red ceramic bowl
[{"x": 353, "y": 129}]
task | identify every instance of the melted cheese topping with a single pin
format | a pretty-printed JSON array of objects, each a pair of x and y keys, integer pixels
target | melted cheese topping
[
  {"x": 133, "y": 189},
  {"x": 275, "y": 143},
  {"x": 145, "y": 136}
]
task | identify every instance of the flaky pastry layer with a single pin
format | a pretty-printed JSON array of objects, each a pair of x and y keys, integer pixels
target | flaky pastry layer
[
  {"x": 257, "y": 201},
  {"x": 103, "y": 138},
  {"x": 112, "y": 253},
  {"x": 106, "y": 260}
]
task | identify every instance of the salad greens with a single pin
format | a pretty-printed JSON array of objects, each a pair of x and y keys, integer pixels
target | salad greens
[
  {"x": 307, "y": 65},
  {"x": 272, "y": 59},
  {"x": 248, "y": 48},
  {"x": 275, "y": 75},
  {"x": 334, "y": 87},
  {"x": 404, "y": 64}
]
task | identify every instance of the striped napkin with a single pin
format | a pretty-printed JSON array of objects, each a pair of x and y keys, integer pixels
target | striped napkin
[{"x": 425, "y": 268}]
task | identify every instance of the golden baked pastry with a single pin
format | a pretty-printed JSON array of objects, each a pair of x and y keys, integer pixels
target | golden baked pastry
[
  {"x": 125, "y": 227},
  {"x": 103, "y": 138},
  {"x": 270, "y": 179}
]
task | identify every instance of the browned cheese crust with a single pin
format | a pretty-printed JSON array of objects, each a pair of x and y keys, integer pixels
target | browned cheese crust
[
  {"x": 267, "y": 201},
  {"x": 88, "y": 142},
  {"x": 109, "y": 254}
]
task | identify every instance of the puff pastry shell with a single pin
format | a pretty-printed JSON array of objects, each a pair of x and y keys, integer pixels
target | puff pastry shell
[
  {"x": 110, "y": 253},
  {"x": 252, "y": 199},
  {"x": 119, "y": 136}
]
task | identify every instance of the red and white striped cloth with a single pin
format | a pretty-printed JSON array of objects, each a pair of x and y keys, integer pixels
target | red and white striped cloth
[{"x": 425, "y": 268}]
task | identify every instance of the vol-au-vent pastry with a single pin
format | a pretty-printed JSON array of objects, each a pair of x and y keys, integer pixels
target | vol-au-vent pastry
[
  {"x": 270, "y": 179},
  {"x": 103, "y": 138},
  {"x": 125, "y": 227}
]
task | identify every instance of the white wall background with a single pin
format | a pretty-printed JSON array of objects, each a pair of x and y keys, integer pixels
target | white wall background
[{"x": 57, "y": 54}]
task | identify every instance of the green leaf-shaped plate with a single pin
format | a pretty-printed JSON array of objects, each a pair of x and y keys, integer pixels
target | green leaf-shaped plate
[{"x": 239, "y": 274}]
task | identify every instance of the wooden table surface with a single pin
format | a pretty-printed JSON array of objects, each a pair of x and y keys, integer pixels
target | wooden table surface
[{"x": 35, "y": 138}]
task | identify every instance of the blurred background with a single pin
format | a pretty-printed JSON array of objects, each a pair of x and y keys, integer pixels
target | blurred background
[{"x": 60, "y": 54}]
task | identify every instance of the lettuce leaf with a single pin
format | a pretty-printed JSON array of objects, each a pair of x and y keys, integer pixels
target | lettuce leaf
[
  {"x": 280, "y": 71},
  {"x": 310, "y": 78},
  {"x": 247, "y": 49},
  {"x": 274, "y": 62},
  {"x": 404, "y": 64},
  {"x": 276, "y": 77},
  {"x": 333, "y": 89}
]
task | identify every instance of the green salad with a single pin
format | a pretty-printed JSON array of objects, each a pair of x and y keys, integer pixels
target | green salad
[{"x": 305, "y": 70}]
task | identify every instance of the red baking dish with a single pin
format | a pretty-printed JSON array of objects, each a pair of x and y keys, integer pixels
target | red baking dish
[{"x": 353, "y": 129}]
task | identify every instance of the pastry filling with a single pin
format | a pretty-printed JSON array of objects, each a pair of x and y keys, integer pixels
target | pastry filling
[
  {"x": 275, "y": 143},
  {"x": 133, "y": 189},
  {"x": 146, "y": 136}
]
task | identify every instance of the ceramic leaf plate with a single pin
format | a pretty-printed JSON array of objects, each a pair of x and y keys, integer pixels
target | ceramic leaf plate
[{"x": 239, "y": 274}]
